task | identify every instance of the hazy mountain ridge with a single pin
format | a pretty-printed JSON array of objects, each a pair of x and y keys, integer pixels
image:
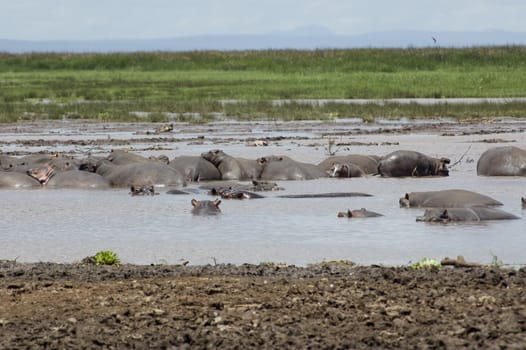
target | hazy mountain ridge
[{"x": 285, "y": 40}]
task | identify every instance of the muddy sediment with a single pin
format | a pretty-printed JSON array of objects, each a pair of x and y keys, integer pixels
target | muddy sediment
[{"x": 328, "y": 305}]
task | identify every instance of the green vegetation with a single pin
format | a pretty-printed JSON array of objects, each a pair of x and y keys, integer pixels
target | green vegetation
[
  {"x": 190, "y": 86},
  {"x": 107, "y": 257},
  {"x": 426, "y": 263}
]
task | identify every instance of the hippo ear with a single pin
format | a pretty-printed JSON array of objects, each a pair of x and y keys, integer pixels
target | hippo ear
[
  {"x": 407, "y": 196},
  {"x": 444, "y": 215},
  {"x": 195, "y": 203},
  {"x": 217, "y": 202},
  {"x": 349, "y": 213}
]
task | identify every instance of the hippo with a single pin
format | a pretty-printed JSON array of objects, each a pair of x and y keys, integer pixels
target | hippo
[
  {"x": 50, "y": 177},
  {"x": 89, "y": 163},
  {"x": 445, "y": 215},
  {"x": 141, "y": 174},
  {"x": 368, "y": 164},
  {"x": 195, "y": 168},
  {"x": 143, "y": 191},
  {"x": 453, "y": 198},
  {"x": 358, "y": 213},
  {"x": 119, "y": 157},
  {"x": 42, "y": 174},
  {"x": 233, "y": 168},
  {"x": 7, "y": 162},
  {"x": 326, "y": 195},
  {"x": 284, "y": 168},
  {"x": 502, "y": 161},
  {"x": 9, "y": 179},
  {"x": 253, "y": 186},
  {"x": 262, "y": 186},
  {"x": 345, "y": 170},
  {"x": 411, "y": 163},
  {"x": 206, "y": 207},
  {"x": 233, "y": 193},
  {"x": 60, "y": 162},
  {"x": 523, "y": 201}
]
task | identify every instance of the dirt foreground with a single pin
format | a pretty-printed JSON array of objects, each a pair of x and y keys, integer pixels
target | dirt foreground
[{"x": 328, "y": 305}]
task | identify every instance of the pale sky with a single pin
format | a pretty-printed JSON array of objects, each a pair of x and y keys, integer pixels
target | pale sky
[{"x": 135, "y": 19}]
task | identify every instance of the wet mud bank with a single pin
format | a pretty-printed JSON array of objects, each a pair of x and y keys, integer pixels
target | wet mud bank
[{"x": 327, "y": 305}]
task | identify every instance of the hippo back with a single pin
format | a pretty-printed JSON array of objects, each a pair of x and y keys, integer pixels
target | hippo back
[{"x": 502, "y": 161}]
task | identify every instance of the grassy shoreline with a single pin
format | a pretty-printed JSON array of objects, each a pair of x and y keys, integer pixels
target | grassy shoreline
[{"x": 168, "y": 86}]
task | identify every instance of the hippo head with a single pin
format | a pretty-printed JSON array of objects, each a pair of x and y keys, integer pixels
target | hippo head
[
  {"x": 334, "y": 171},
  {"x": 441, "y": 167},
  {"x": 339, "y": 170},
  {"x": 267, "y": 159},
  {"x": 206, "y": 207},
  {"x": 435, "y": 215},
  {"x": 162, "y": 158},
  {"x": 265, "y": 186},
  {"x": 404, "y": 201},
  {"x": 214, "y": 156},
  {"x": 147, "y": 190},
  {"x": 347, "y": 214},
  {"x": 43, "y": 173}
]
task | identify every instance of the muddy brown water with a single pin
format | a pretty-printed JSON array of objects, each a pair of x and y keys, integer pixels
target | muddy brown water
[{"x": 67, "y": 225}]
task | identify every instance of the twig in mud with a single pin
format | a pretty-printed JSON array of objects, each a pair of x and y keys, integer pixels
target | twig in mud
[
  {"x": 329, "y": 149},
  {"x": 461, "y": 157}
]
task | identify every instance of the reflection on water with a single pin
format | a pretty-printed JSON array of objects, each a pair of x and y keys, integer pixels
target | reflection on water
[{"x": 67, "y": 225}]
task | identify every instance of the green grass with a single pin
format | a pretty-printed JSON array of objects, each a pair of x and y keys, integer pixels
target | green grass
[{"x": 111, "y": 86}]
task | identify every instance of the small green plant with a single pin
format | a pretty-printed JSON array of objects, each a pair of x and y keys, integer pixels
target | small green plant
[
  {"x": 495, "y": 261},
  {"x": 426, "y": 263},
  {"x": 107, "y": 257}
]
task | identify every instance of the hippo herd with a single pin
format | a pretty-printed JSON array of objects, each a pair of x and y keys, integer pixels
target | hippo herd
[{"x": 143, "y": 175}]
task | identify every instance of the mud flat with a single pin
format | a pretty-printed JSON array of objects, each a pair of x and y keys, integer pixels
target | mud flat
[{"x": 265, "y": 306}]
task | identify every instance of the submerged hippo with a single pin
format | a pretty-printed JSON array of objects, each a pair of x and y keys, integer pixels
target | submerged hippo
[
  {"x": 59, "y": 161},
  {"x": 411, "y": 163},
  {"x": 502, "y": 161},
  {"x": 140, "y": 173},
  {"x": 119, "y": 157},
  {"x": 285, "y": 168},
  {"x": 10, "y": 179},
  {"x": 50, "y": 177},
  {"x": 143, "y": 190},
  {"x": 233, "y": 168},
  {"x": 446, "y": 199},
  {"x": 233, "y": 193},
  {"x": 446, "y": 215},
  {"x": 358, "y": 213},
  {"x": 345, "y": 170},
  {"x": 206, "y": 207},
  {"x": 368, "y": 164}
]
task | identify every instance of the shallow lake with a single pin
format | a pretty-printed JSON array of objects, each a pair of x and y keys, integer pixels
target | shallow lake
[{"x": 68, "y": 225}]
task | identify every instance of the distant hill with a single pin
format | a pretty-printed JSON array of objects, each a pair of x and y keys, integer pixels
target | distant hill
[{"x": 305, "y": 39}]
